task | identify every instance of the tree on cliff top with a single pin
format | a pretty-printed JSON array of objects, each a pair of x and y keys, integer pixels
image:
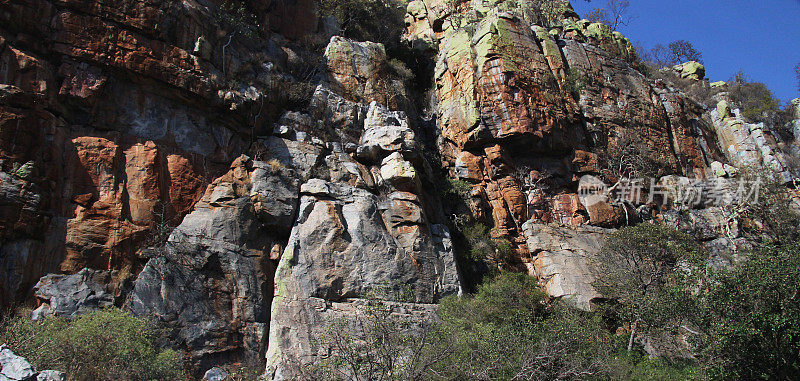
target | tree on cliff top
[
  {"x": 615, "y": 14},
  {"x": 675, "y": 52}
]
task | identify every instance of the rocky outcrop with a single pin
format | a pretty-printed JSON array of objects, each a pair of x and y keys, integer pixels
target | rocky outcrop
[
  {"x": 691, "y": 70},
  {"x": 359, "y": 71},
  {"x": 366, "y": 228},
  {"x": 563, "y": 260},
  {"x": 749, "y": 145},
  {"x": 72, "y": 295},
  {"x": 203, "y": 170},
  {"x": 115, "y": 116},
  {"x": 17, "y": 368},
  {"x": 525, "y": 111},
  {"x": 211, "y": 284}
]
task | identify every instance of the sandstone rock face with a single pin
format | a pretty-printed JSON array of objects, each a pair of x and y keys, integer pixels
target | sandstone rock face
[
  {"x": 223, "y": 248},
  {"x": 522, "y": 131},
  {"x": 115, "y": 116},
  {"x": 151, "y": 158},
  {"x": 562, "y": 260},
  {"x": 365, "y": 224}
]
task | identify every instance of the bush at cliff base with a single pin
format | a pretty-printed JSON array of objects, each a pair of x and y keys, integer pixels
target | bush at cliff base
[{"x": 109, "y": 344}]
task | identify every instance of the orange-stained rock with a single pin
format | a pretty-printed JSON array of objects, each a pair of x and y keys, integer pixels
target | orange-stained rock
[
  {"x": 568, "y": 210},
  {"x": 141, "y": 171},
  {"x": 118, "y": 193},
  {"x": 186, "y": 184},
  {"x": 469, "y": 167},
  {"x": 604, "y": 214},
  {"x": 586, "y": 162},
  {"x": 515, "y": 200}
]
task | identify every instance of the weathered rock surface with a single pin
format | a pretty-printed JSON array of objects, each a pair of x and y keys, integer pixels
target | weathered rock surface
[
  {"x": 72, "y": 295},
  {"x": 517, "y": 128},
  {"x": 562, "y": 260},
  {"x": 13, "y": 367},
  {"x": 120, "y": 120},
  {"x": 121, "y": 113},
  {"x": 17, "y": 368},
  {"x": 366, "y": 224},
  {"x": 212, "y": 281}
]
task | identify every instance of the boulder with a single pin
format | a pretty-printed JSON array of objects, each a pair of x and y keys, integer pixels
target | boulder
[
  {"x": 13, "y": 367},
  {"x": 400, "y": 173},
  {"x": 691, "y": 70},
  {"x": 215, "y": 374},
  {"x": 72, "y": 295},
  {"x": 51, "y": 375}
]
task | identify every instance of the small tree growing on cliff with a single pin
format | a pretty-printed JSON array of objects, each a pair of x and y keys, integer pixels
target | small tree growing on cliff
[
  {"x": 683, "y": 51},
  {"x": 675, "y": 52},
  {"x": 637, "y": 267},
  {"x": 615, "y": 14}
]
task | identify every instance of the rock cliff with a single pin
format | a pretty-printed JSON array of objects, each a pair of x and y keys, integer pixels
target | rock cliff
[{"x": 246, "y": 182}]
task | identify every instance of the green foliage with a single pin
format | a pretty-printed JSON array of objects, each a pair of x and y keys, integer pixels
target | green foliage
[
  {"x": 374, "y": 345},
  {"x": 756, "y": 101},
  {"x": 637, "y": 266},
  {"x": 771, "y": 218},
  {"x": 751, "y": 317},
  {"x": 457, "y": 187},
  {"x": 482, "y": 248},
  {"x": 234, "y": 14},
  {"x": 368, "y": 20},
  {"x": 510, "y": 331},
  {"x": 636, "y": 366},
  {"x": 104, "y": 345},
  {"x": 574, "y": 81}
]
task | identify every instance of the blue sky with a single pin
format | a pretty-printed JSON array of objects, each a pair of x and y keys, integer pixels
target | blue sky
[{"x": 761, "y": 38}]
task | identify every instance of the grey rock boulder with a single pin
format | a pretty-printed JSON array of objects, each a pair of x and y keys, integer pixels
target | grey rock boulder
[
  {"x": 215, "y": 374},
  {"x": 72, "y": 295},
  {"x": 51, "y": 375},
  {"x": 13, "y": 367}
]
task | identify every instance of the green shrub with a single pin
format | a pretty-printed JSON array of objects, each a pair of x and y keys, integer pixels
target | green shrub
[
  {"x": 368, "y": 20},
  {"x": 751, "y": 317},
  {"x": 637, "y": 266},
  {"x": 756, "y": 101},
  {"x": 236, "y": 15},
  {"x": 509, "y": 330},
  {"x": 109, "y": 344},
  {"x": 574, "y": 81}
]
